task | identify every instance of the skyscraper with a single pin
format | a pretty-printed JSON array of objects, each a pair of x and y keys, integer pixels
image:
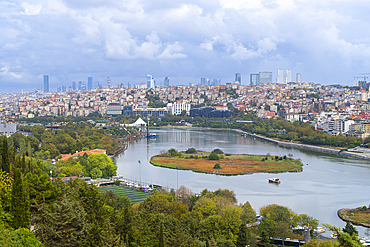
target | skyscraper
[
  {"x": 254, "y": 79},
  {"x": 298, "y": 78},
  {"x": 288, "y": 77},
  {"x": 203, "y": 81},
  {"x": 166, "y": 81},
  {"x": 238, "y": 78},
  {"x": 280, "y": 76},
  {"x": 149, "y": 81},
  {"x": 74, "y": 86},
  {"x": 80, "y": 86},
  {"x": 46, "y": 83},
  {"x": 265, "y": 77},
  {"x": 89, "y": 83}
]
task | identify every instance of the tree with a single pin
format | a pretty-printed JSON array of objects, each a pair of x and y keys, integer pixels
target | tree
[
  {"x": 248, "y": 213},
  {"x": 213, "y": 156},
  {"x": 244, "y": 236},
  {"x": 350, "y": 229},
  {"x": 62, "y": 224},
  {"x": 5, "y": 163},
  {"x": 217, "y": 166},
  {"x": 217, "y": 151},
  {"x": 264, "y": 240},
  {"x": 96, "y": 173},
  {"x": 20, "y": 237},
  {"x": 191, "y": 151},
  {"x": 41, "y": 189},
  {"x": 103, "y": 163},
  {"x": 20, "y": 205}
]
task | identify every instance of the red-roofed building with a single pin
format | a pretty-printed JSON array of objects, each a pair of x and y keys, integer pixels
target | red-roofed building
[{"x": 94, "y": 151}]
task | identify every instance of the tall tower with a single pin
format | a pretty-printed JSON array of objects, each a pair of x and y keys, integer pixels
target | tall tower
[
  {"x": 288, "y": 76},
  {"x": 265, "y": 77},
  {"x": 166, "y": 81},
  {"x": 280, "y": 76},
  {"x": 238, "y": 78},
  {"x": 254, "y": 79},
  {"x": 74, "y": 86},
  {"x": 149, "y": 81},
  {"x": 46, "y": 83},
  {"x": 89, "y": 83},
  {"x": 298, "y": 78}
]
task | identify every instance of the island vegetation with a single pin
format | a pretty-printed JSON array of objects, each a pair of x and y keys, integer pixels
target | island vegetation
[
  {"x": 357, "y": 216},
  {"x": 216, "y": 162}
]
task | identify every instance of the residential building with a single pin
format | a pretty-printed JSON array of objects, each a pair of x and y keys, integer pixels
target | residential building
[
  {"x": 149, "y": 81},
  {"x": 8, "y": 128},
  {"x": 114, "y": 109},
  {"x": 166, "y": 81},
  {"x": 280, "y": 76},
  {"x": 298, "y": 78}
]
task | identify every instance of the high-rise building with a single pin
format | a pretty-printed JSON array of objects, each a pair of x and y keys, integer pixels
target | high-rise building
[
  {"x": 280, "y": 76},
  {"x": 166, "y": 81},
  {"x": 46, "y": 83},
  {"x": 128, "y": 85},
  {"x": 288, "y": 77},
  {"x": 265, "y": 77},
  {"x": 298, "y": 78},
  {"x": 254, "y": 79},
  {"x": 238, "y": 78},
  {"x": 149, "y": 81},
  {"x": 203, "y": 81},
  {"x": 63, "y": 88},
  {"x": 80, "y": 86},
  {"x": 89, "y": 83},
  {"x": 59, "y": 89}
]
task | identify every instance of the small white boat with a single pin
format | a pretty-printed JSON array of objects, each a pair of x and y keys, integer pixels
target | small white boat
[
  {"x": 274, "y": 180},
  {"x": 319, "y": 230}
]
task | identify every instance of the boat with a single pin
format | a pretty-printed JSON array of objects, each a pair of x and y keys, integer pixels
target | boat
[
  {"x": 153, "y": 135},
  {"x": 245, "y": 135},
  {"x": 319, "y": 230},
  {"x": 274, "y": 180}
]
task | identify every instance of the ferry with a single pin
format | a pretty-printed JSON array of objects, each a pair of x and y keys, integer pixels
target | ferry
[{"x": 153, "y": 135}]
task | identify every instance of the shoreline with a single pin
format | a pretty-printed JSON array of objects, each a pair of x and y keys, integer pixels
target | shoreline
[
  {"x": 342, "y": 214},
  {"x": 288, "y": 144}
]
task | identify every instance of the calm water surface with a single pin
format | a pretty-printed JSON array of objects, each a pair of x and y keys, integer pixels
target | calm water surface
[{"x": 327, "y": 183}]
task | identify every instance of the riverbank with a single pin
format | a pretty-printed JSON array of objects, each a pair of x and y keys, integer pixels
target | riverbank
[
  {"x": 228, "y": 164},
  {"x": 355, "y": 216}
]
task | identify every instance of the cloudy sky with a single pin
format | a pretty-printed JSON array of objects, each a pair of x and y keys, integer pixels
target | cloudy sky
[{"x": 326, "y": 41}]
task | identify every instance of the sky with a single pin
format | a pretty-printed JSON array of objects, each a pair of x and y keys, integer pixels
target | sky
[{"x": 327, "y": 41}]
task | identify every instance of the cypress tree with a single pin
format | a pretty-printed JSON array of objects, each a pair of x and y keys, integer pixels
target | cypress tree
[
  {"x": 5, "y": 164},
  {"x": 161, "y": 236},
  {"x": 20, "y": 205}
]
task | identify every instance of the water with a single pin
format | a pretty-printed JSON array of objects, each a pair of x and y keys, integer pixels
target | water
[{"x": 327, "y": 183}]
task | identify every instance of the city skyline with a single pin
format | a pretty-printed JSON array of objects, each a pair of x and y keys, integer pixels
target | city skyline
[{"x": 184, "y": 41}]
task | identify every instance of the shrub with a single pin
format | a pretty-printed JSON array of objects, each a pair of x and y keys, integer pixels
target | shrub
[
  {"x": 191, "y": 151},
  {"x": 280, "y": 158},
  {"x": 205, "y": 157},
  {"x": 284, "y": 157},
  {"x": 276, "y": 157},
  {"x": 191, "y": 156},
  {"x": 213, "y": 156},
  {"x": 222, "y": 156},
  {"x": 217, "y": 166},
  {"x": 174, "y": 152},
  {"x": 227, "y": 154},
  {"x": 217, "y": 151}
]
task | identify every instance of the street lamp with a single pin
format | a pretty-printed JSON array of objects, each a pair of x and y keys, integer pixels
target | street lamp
[{"x": 139, "y": 170}]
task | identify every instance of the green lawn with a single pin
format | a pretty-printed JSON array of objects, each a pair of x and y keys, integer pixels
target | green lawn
[{"x": 134, "y": 195}]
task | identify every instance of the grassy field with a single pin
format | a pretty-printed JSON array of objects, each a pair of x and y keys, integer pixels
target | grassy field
[
  {"x": 134, "y": 195},
  {"x": 234, "y": 164}
]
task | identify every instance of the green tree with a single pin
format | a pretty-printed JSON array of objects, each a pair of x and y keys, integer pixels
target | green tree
[
  {"x": 103, "y": 163},
  {"x": 264, "y": 240},
  {"x": 17, "y": 238},
  {"x": 20, "y": 205},
  {"x": 41, "y": 189},
  {"x": 213, "y": 156},
  {"x": 350, "y": 229},
  {"x": 244, "y": 236},
  {"x": 248, "y": 213},
  {"x": 96, "y": 173},
  {"x": 5, "y": 163},
  {"x": 62, "y": 224}
]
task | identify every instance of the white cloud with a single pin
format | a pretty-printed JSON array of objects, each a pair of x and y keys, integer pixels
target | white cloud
[
  {"x": 31, "y": 9},
  {"x": 236, "y": 49}
]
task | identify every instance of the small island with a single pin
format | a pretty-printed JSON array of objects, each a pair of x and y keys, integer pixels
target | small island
[
  {"x": 216, "y": 162},
  {"x": 358, "y": 216}
]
